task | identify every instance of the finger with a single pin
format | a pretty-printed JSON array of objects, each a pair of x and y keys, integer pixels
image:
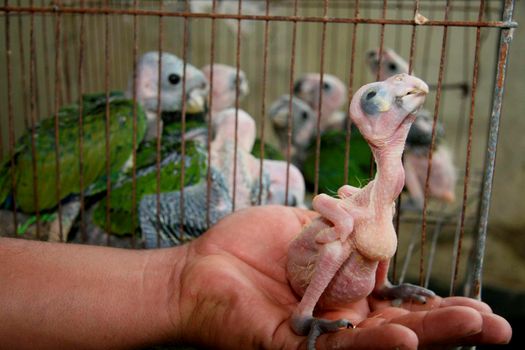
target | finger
[
  {"x": 430, "y": 303},
  {"x": 496, "y": 330},
  {"x": 463, "y": 301},
  {"x": 388, "y": 336},
  {"x": 433, "y": 303},
  {"x": 447, "y": 325}
]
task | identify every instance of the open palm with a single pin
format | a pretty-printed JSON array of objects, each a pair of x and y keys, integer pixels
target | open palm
[{"x": 235, "y": 295}]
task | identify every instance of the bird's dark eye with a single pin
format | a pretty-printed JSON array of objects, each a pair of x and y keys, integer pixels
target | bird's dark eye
[
  {"x": 371, "y": 54},
  {"x": 304, "y": 115},
  {"x": 326, "y": 86},
  {"x": 392, "y": 66},
  {"x": 174, "y": 78},
  {"x": 370, "y": 95}
]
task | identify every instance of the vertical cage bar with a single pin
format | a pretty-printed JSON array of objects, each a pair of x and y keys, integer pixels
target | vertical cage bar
[
  {"x": 158, "y": 123},
  {"x": 81, "y": 55},
  {"x": 58, "y": 29},
  {"x": 473, "y": 285},
  {"x": 236, "y": 135},
  {"x": 432, "y": 144},
  {"x": 263, "y": 101},
  {"x": 183, "y": 122},
  {"x": 47, "y": 74},
  {"x": 350, "y": 92},
  {"x": 320, "y": 107},
  {"x": 23, "y": 72},
  {"x": 290, "y": 119},
  {"x": 107, "y": 123},
  {"x": 210, "y": 118},
  {"x": 469, "y": 150},
  {"x": 10, "y": 114},
  {"x": 134, "y": 136}
]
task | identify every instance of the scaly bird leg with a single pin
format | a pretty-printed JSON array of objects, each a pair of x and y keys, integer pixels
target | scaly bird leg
[
  {"x": 401, "y": 292},
  {"x": 331, "y": 258}
]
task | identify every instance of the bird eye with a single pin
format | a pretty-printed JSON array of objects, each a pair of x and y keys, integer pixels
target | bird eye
[
  {"x": 174, "y": 79},
  {"x": 326, "y": 86},
  {"x": 370, "y": 95},
  {"x": 392, "y": 66},
  {"x": 304, "y": 115}
]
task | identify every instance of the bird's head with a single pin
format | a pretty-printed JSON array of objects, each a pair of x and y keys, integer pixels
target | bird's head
[
  {"x": 225, "y": 81},
  {"x": 303, "y": 121},
  {"x": 171, "y": 84},
  {"x": 389, "y": 65},
  {"x": 309, "y": 87},
  {"x": 383, "y": 111}
]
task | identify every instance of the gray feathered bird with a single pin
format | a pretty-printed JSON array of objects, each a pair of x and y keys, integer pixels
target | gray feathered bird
[{"x": 245, "y": 175}]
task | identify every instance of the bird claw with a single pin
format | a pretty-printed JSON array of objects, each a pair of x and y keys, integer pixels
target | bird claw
[
  {"x": 320, "y": 326},
  {"x": 406, "y": 291}
]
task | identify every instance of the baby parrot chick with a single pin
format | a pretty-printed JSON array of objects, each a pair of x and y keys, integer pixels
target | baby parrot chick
[
  {"x": 443, "y": 174},
  {"x": 224, "y": 89},
  {"x": 308, "y": 88},
  {"x": 343, "y": 256}
]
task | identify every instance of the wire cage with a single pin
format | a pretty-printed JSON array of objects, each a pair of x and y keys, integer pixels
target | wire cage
[{"x": 57, "y": 51}]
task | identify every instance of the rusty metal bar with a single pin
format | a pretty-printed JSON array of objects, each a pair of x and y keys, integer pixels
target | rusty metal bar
[
  {"x": 113, "y": 11},
  {"x": 319, "y": 114},
  {"x": 57, "y": 123},
  {"x": 210, "y": 118},
  {"x": 10, "y": 114},
  {"x": 432, "y": 144},
  {"x": 158, "y": 123},
  {"x": 381, "y": 44},
  {"x": 350, "y": 92},
  {"x": 469, "y": 150},
  {"x": 400, "y": 197},
  {"x": 236, "y": 132},
  {"x": 473, "y": 285},
  {"x": 376, "y": 4},
  {"x": 81, "y": 55},
  {"x": 23, "y": 70},
  {"x": 183, "y": 125},
  {"x": 134, "y": 137},
  {"x": 107, "y": 124},
  {"x": 47, "y": 75},
  {"x": 413, "y": 40},
  {"x": 290, "y": 119},
  {"x": 65, "y": 66},
  {"x": 263, "y": 103}
]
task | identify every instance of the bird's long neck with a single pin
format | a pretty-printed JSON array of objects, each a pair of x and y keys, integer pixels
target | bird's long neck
[{"x": 390, "y": 175}]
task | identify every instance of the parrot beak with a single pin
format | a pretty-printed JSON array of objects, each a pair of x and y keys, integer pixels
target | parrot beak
[
  {"x": 196, "y": 102},
  {"x": 197, "y": 90},
  {"x": 411, "y": 97}
]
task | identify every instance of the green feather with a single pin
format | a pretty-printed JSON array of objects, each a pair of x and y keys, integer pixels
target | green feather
[
  {"x": 94, "y": 150},
  {"x": 332, "y": 160},
  {"x": 121, "y": 197},
  {"x": 270, "y": 152}
]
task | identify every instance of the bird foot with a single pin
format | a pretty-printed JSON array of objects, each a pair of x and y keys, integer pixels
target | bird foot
[
  {"x": 314, "y": 327},
  {"x": 405, "y": 291}
]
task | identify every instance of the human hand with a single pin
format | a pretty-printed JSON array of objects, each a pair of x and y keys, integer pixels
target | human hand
[{"x": 234, "y": 294}]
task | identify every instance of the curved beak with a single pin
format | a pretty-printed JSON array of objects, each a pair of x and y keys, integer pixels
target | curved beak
[{"x": 197, "y": 89}]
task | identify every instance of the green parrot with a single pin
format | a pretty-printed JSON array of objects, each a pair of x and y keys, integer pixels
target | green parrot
[
  {"x": 332, "y": 160},
  {"x": 195, "y": 166},
  {"x": 121, "y": 127},
  {"x": 171, "y": 139},
  {"x": 94, "y": 145}
]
